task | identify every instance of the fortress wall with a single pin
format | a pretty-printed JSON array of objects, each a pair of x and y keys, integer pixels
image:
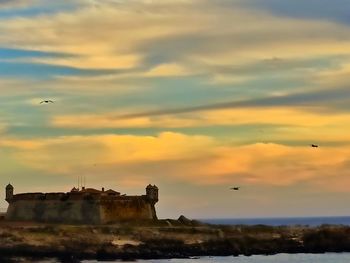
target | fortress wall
[
  {"x": 28, "y": 196},
  {"x": 78, "y": 208},
  {"x": 15, "y": 212},
  {"x": 127, "y": 208},
  {"x": 79, "y": 211},
  {"x": 55, "y": 196}
]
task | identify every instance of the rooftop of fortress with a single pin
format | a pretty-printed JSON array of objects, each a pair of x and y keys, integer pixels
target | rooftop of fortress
[{"x": 76, "y": 194}]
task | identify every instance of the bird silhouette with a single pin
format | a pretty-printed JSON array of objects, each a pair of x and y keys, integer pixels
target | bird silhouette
[
  {"x": 236, "y": 188},
  {"x": 314, "y": 145},
  {"x": 46, "y": 101}
]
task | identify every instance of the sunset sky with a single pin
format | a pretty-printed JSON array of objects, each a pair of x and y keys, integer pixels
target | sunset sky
[{"x": 195, "y": 96}]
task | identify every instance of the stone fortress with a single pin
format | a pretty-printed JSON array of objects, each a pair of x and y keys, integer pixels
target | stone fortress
[{"x": 81, "y": 206}]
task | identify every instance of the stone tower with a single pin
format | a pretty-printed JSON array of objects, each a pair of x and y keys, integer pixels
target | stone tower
[
  {"x": 9, "y": 192},
  {"x": 152, "y": 193}
]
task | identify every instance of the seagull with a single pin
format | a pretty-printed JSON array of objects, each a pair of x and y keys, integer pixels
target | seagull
[
  {"x": 314, "y": 145},
  {"x": 46, "y": 101},
  {"x": 236, "y": 188}
]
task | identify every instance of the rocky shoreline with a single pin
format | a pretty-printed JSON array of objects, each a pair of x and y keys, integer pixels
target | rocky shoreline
[{"x": 163, "y": 239}]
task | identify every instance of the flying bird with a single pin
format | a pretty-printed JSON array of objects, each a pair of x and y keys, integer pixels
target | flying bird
[
  {"x": 46, "y": 101},
  {"x": 236, "y": 188},
  {"x": 314, "y": 145}
]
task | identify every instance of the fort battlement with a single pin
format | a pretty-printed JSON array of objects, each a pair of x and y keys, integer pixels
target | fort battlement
[{"x": 81, "y": 206}]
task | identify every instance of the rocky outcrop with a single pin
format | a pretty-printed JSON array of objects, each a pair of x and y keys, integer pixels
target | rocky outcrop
[{"x": 152, "y": 240}]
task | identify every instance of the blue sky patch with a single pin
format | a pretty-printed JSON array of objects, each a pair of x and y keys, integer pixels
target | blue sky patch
[
  {"x": 12, "y": 53},
  {"x": 37, "y": 9},
  {"x": 42, "y": 71},
  {"x": 335, "y": 10}
]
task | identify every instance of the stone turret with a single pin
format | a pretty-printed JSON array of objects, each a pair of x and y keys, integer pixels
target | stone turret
[
  {"x": 152, "y": 193},
  {"x": 9, "y": 193}
]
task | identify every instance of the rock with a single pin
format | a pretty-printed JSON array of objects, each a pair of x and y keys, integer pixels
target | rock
[{"x": 184, "y": 220}]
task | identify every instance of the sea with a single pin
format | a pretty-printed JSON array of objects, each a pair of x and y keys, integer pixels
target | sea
[{"x": 282, "y": 221}]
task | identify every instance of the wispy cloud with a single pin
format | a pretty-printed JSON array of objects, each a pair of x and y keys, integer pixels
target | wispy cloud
[
  {"x": 305, "y": 99},
  {"x": 314, "y": 9},
  {"x": 16, "y": 3},
  {"x": 142, "y": 33}
]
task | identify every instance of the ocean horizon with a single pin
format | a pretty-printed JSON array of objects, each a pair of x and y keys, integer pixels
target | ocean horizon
[
  {"x": 281, "y": 221},
  {"x": 274, "y": 221}
]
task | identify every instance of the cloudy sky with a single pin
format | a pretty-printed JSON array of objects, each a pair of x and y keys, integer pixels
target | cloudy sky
[{"x": 194, "y": 96}]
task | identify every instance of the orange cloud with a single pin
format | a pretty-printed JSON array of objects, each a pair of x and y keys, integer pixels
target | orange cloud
[
  {"x": 177, "y": 157},
  {"x": 272, "y": 164},
  {"x": 75, "y": 151}
]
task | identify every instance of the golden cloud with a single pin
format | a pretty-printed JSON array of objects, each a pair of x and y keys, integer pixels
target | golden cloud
[
  {"x": 165, "y": 70},
  {"x": 272, "y": 164},
  {"x": 177, "y": 157},
  {"x": 77, "y": 150},
  {"x": 296, "y": 123}
]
